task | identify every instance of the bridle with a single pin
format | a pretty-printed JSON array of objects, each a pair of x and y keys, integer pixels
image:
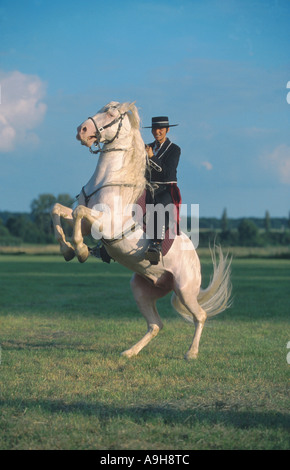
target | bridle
[
  {"x": 99, "y": 131},
  {"x": 98, "y": 136}
]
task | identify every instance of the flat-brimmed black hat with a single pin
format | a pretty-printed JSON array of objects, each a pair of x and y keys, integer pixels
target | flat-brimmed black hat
[{"x": 160, "y": 122}]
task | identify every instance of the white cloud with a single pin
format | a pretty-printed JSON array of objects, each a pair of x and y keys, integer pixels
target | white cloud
[
  {"x": 21, "y": 109},
  {"x": 207, "y": 165},
  {"x": 279, "y": 162}
]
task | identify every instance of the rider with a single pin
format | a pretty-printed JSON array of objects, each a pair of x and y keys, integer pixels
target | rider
[{"x": 163, "y": 158}]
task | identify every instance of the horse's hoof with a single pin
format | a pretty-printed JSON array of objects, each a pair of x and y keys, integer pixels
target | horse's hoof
[
  {"x": 68, "y": 253},
  {"x": 127, "y": 353},
  {"x": 190, "y": 356},
  {"x": 82, "y": 253}
]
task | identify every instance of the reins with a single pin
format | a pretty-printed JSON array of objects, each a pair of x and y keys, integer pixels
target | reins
[{"x": 88, "y": 196}]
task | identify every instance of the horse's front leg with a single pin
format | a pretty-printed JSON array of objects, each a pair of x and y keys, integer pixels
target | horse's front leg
[
  {"x": 57, "y": 212},
  {"x": 84, "y": 218}
]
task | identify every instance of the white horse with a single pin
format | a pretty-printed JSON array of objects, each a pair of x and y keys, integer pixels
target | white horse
[{"x": 118, "y": 182}]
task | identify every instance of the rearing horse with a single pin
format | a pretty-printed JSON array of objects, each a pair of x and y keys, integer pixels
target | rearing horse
[{"x": 117, "y": 183}]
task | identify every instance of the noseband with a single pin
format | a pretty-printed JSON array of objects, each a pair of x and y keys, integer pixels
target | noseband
[{"x": 99, "y": 131}]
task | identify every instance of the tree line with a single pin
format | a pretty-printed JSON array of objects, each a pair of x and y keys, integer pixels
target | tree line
[
  {"x": 36, "y": 227},
  {"x": 247, "y": 231},
  {"x": 33, "y": 227}
]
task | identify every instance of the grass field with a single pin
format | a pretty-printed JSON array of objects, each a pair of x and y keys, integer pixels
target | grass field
[{"x": 65, "y": 386}]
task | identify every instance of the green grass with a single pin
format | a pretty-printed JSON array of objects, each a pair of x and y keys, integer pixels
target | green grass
[{"x": 63, "y": 384}]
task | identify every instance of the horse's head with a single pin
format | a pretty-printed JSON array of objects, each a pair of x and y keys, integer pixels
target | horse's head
[{"x": 106, "y": 125}]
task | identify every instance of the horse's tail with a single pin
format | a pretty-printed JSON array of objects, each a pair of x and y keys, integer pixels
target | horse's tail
[{"x": 217, "y": 296}]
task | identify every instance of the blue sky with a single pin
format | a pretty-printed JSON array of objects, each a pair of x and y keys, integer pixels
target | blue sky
[{"x": 218, "y": 68}]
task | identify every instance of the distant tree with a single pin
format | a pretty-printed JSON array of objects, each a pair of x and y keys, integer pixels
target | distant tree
[
  {"x": 22, "y": 227},
  {"x": 224, "y": 221},
  {"x": 65, "y": 199},
  {"x": 267, "y": 222},
  {"x": 4, "y": 232},
  {"x": 32, "y": 234},
  {"x": 226, "y": 235},
  {"x": 40, "y": 212},
  {"x": 41, "y": 206},
  {"x": 248, "y": 233},
  {"x": 17, "y": 225}
]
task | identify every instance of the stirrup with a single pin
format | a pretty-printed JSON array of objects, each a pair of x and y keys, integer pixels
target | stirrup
[{"x": 99, "y": 251}]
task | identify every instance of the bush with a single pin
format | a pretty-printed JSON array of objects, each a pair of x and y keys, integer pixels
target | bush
[{"x": 276, "y": 238}]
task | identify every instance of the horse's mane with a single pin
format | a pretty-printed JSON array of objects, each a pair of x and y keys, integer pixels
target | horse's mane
[{"x": 133, "y": 170}]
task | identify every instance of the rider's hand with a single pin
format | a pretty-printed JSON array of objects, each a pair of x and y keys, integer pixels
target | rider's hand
[{"x": 149, "y": 151}]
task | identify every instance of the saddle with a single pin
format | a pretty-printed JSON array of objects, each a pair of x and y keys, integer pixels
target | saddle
[{"x": 99, "y": 251}]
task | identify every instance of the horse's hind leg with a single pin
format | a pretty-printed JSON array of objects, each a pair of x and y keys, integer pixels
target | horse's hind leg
[
  {"x": 192, "y": 353},
  {"x": 186, "y": 302},
  {"x": 57, "y": 212},
  {"x": 146, "y": 295}
]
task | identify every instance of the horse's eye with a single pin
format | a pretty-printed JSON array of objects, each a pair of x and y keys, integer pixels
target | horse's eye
[{"x": 113, "y": 111}]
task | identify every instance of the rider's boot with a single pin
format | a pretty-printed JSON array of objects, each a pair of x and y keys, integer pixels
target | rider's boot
[{"x": 153, "y": 252}]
